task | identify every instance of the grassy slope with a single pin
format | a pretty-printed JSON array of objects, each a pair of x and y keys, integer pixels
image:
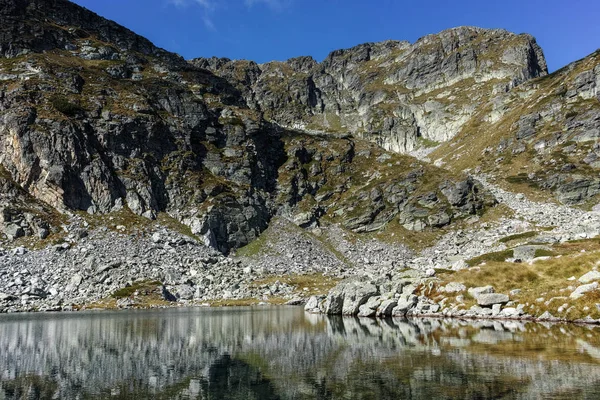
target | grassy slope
[{"x": 544, "y": 279}]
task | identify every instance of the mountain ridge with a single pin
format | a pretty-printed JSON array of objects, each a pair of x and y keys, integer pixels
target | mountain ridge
[
  {"x": 381, "y": 91},
  {"x": 98, "y": 127},
  {"x": 121, "y": 162}
]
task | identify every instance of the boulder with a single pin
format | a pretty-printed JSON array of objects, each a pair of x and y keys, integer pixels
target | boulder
[
  {"x": 405, "y": 304},
  {"x": 453, "y": 287},
  {"x": 374, "y": 302},
  {"x": 489, "y": 299},
  {"x": 546, "y": 316},
  {"x": 510, "y": 312},
  {"x": 528, "y": 252},
  {"x": 312, "y": 305},
  {"x": 14, "y": 231},
  {"x": 74, "y": 283},
  {"x": 296, "y": 301},
  {"x": 7, "y": 297},
  {"x": 366, "y": 311},
  {"x": 476, "y": 291},
  {"x": 583, "y": 289},
  {"x": 386, "y": 308},
  {"x": 591, "y": 276},
  {"x": 354, "y": 295},
  {"x": 184, "y": 292},
  {"x": 334, "y": 302}
]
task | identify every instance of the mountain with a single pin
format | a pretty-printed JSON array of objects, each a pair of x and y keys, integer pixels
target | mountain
[
  {"x": 408, "y": 170},
  {"x": 399, "y": 95},
  {"x": 542, "y": 138},
  {"x": 95, "y": 118}
]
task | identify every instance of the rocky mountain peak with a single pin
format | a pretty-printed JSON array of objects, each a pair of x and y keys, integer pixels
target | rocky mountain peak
[
  {"x": 97, "y": 119},
  {"x": 400, "y": 95}
]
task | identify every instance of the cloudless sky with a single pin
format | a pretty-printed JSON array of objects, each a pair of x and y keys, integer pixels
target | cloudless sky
[{"x": 265, "y": 30}]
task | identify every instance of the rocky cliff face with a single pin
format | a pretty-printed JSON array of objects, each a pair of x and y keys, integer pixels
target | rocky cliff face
[
  {"x": 402, "y": 96},
  {"x": 97, "y": 119},
  {"x": 541, "y": 138}
]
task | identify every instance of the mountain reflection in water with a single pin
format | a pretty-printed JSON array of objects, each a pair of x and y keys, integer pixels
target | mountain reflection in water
[{"x": 283, "y": 353}]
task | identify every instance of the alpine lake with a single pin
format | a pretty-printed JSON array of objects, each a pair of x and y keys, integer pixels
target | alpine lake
[{"x": 268, "y": 353}]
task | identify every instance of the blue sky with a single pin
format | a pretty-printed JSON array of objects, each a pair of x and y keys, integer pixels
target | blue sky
[{"x": 265, "y": 30}]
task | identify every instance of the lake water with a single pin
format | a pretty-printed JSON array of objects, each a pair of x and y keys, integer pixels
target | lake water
[{"x": 283, "y": 353}]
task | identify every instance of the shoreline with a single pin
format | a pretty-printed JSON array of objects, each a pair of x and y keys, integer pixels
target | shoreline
[{"x": 554, "y": 320}]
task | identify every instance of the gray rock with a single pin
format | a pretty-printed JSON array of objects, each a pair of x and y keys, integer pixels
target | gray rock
[
  {"x": 453, "y": 287},
  {"x": 366, "y": 311},
  {"x": 355, "y": 295},
  {"x": 386, "y": 308},
  {"x": 334, "y": 303},
  {"x": 583, "y": 289},
  {"x": 510, "y": 312},
  {"x": 477, "y": 291},
  {"x": 184, "y": 292},
  {"x": 546, "y": 316},
  {"x": 312, "y": 305},
  {"x": 7, "y": 297},
  {"x": 404, "y": 305},
  {"x": 14, "y": 231},
  {"x": 496, "y": 308},
  {"x": 590, "y": 277},
  {"x": 74, "y": 283},
  {"x": 489, "y": 299},
  {"x": 297, "y": 301}
]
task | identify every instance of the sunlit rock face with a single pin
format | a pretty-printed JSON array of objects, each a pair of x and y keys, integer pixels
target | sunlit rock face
[
  {"x": 96, "y": 118},
  {"x": 399, "y": 95},
  {"x": 280, "y": 353}
]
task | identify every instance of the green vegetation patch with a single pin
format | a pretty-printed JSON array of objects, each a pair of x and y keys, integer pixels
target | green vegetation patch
[
  {"x": 498, "y": 256},
  {"x": 544, "y": 253},
  {"x": 142, "y": 288},
  {"x": 253, "y": 248},
  {"x": 518, "y": 236},
  {"x": 428, "y": 143},
  {"x": 64, "y": 106}
]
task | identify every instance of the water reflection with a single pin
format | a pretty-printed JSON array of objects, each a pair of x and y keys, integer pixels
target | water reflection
[{"x": 283, "y": 353}]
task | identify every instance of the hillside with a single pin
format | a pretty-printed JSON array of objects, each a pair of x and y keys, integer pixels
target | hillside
[
  {"x": 541, "y": 138},
  {"x": 131, "y": 176},
  {"x": 399, "y": 95}
]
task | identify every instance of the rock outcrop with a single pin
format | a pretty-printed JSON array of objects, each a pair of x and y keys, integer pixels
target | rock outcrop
[
  {"x": 400, "y": 95},
  {"x": 542, "y": 137},
  {"x": 97, "y": 119}
]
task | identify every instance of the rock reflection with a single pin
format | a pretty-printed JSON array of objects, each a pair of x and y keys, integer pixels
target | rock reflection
[{"x": 283, "y": 353}]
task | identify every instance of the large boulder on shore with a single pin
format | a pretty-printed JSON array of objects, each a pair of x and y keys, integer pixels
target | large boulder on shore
[{"x": 347, "y": 297}]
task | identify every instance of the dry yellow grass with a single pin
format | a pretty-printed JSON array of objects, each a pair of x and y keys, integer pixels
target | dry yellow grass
[
  {"x": 543, "y": 279},
  {"x": 315, "y": 284}
]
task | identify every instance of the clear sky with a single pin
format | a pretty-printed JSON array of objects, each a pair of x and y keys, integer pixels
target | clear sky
[{"x": 265, "y": 30}]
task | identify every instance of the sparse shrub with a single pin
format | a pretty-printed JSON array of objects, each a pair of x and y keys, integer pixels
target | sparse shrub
[
  {"x": 128, "y": 291},
  {"x": 64, "y": 106}
]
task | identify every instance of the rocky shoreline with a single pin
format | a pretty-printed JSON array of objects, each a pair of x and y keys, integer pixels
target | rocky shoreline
[
  {"x": 411, "y": 293},
  {"x": 362, "y": 299}
]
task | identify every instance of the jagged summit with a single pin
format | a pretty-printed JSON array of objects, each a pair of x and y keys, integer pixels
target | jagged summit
[{"x": 397, "y": 94}]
